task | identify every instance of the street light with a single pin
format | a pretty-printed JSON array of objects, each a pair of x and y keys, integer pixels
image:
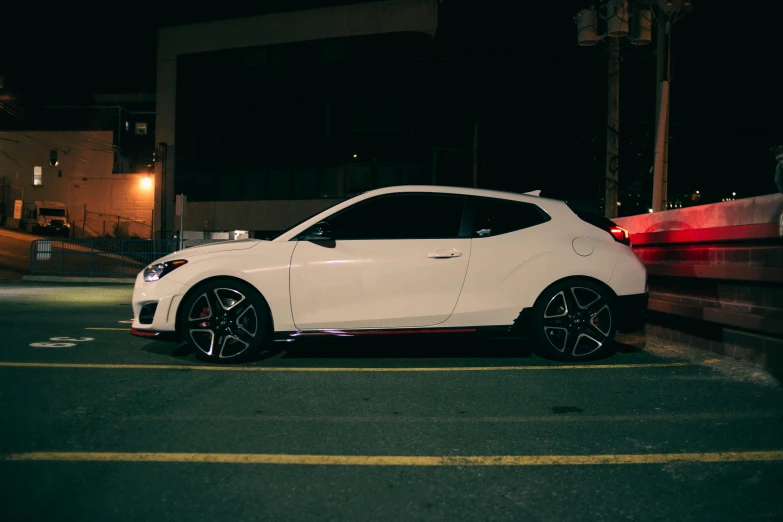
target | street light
[{"x": 146, "y": 182}]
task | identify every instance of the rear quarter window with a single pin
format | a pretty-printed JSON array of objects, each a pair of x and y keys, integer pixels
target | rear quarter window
[
  {"x": 590, "y": 214},
  {"x": 493, "y": 217}
]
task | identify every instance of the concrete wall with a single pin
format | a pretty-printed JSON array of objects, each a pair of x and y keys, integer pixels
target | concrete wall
[
  {"x": 83, "y": 177},
  {"x": 716, "y": 276},
  {"x": 333, "y": 22},
  {"x": 749, "y": 211},
  {"x": 251, "y": 215}
]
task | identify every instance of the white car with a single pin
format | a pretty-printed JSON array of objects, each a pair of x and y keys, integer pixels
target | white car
[{"x": 409, "y": 259}]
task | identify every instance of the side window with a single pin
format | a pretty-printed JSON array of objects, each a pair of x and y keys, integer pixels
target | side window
[
  {"x": 401, "y": 216},
  {"x": 492, "y": 217}
]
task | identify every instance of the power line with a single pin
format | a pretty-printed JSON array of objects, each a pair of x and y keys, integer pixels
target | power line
[
  {"x": 71, "y": 140},
  {"x": 72, "y": 137},
  {"x": 87, "y": 139}
]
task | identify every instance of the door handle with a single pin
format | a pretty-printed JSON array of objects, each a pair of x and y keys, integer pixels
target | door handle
[{"x": 445, "y": 254}]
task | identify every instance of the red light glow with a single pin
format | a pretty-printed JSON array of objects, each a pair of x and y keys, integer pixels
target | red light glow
[{"x": 620, "y": 234}]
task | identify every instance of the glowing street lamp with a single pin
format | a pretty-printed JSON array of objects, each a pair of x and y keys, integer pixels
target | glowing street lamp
[{"x": 146, "y": 182}]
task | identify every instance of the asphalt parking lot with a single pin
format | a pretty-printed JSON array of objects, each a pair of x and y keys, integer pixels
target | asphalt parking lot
[{"x": 98, "y": 425}]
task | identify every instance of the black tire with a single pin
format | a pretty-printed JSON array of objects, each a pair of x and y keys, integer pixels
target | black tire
[
  {"x": 224, "y": 320},
  {"x": 575, "y": 320}
]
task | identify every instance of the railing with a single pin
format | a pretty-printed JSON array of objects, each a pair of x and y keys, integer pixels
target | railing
[{"x": 99, "y": 257}]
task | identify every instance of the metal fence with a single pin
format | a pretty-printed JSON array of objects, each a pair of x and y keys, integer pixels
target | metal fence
[{"x": 99, "y": 257}]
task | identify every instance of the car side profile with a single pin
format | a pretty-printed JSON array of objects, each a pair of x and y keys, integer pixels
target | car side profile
[{"x": 407, "y": 259}]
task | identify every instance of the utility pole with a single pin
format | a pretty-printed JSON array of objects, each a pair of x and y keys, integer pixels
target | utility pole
[
  {"x": 620, "y": 22},
  {"x": 181, "y": 204},
  {"x": 665, "y": 104},
  {"x": 612, "y": 129},
  {"x": 659, "y": 172},
  {"x": 667, "y": 13},
  {"x": 661, "y": 165},
  {"x": 161, "y": 157}
]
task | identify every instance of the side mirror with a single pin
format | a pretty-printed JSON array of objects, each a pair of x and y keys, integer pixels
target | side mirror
[{"x": 319, "y": 232}]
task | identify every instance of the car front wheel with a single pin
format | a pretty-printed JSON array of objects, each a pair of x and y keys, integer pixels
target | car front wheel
[
  {"x": 224, "y": 321},
  {"x": 575, "y": 320}
]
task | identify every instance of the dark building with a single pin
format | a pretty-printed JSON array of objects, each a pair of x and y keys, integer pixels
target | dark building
[
  {"x": 268, "y": 119},
  {"x": 130, "y": 117},
  {"x": 288, "y": 113},
  {"x": 135, "y": 134},
  {"x": 320, "y": 119}
]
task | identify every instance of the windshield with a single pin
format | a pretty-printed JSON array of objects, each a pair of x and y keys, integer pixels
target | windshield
[
  {"x": 59, "y": 212},
  {"x": 275, "y": 236}
]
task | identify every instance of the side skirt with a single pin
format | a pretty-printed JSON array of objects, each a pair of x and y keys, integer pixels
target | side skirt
[{"x": 482, "y": 330}]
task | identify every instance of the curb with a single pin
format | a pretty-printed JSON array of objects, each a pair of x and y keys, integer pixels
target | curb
[{"x": 68, "y": 279}]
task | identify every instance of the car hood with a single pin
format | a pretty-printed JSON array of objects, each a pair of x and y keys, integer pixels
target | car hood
[{"x": 211, "y": 248}]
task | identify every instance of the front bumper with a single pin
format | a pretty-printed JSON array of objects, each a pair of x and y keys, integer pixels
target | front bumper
[
  {"x": 166, "y": 294},
  {"x": 632, "y": 312},
  {"x": 155, "y": 335}
]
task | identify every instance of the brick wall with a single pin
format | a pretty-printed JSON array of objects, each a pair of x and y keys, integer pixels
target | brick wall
[{"x": 716, "y": 276}]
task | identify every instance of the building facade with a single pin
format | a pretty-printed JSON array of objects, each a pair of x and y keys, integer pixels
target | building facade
[
  {"x": 129, "y": 117},
  {"x": 264, "y": 120},
  {"x": 75, "y": 168}
]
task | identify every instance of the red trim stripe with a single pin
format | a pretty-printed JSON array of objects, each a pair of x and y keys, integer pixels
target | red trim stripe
[
  {"x": 407, "y": 331},
  {"x": 144, "y": 333}
]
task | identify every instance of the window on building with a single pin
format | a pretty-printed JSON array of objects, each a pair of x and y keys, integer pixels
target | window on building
[
  {"x": 401, "y": 216},
  {"x": 254, "y": 184},
  {"x": 306, "y": 183},
  {"x": 387, "y": 176},
  {"x": 37, "y": 176},
  {"x": 492, "y": 217},
  {"x": 141, "y": 128},
  {"x": 278, "y": 184},
  {"x": 359, "y": 179},
  {"x": 329, "y": 181}
]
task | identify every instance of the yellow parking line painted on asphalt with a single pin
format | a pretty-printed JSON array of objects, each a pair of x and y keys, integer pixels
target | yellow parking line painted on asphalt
[
  {"x": 393, "y": 460},
  {"x": 111, "y": 329},
  {"x": 311, "y": 369},
  {"x": 401, "y": 419}
]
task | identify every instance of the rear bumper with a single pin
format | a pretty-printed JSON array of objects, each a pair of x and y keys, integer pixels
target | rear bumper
[{"x": 632, "y": 312}]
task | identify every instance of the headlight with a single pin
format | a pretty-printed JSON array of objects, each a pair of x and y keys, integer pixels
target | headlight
[{"x": 158, "y": 270}]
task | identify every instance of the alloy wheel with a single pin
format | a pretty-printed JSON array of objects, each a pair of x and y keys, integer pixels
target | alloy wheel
[
  {"x": 577, "y": 321},
  {"x": 223, "y": 322}
]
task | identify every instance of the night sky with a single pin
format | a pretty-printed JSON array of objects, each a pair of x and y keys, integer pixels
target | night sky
[{"x": 726, "y": 103}]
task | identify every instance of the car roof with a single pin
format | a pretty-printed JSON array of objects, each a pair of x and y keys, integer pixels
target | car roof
[
  {"x": 555, "y": 208},
  {"x": 466, "y": 191}
]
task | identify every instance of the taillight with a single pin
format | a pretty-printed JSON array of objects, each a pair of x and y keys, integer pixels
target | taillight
[{"x": 620, "y": 235}]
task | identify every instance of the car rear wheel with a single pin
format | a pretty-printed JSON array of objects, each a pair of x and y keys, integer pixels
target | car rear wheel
[
  {"x": 224, "y": 320},
  {"x": 575, "y": 320}
]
